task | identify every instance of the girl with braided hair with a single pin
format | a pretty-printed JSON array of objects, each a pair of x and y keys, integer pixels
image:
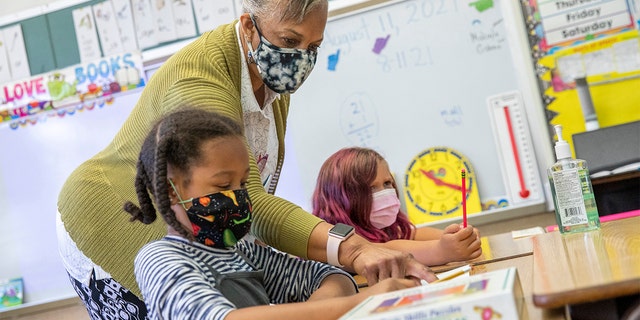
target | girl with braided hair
[{"x": 193, "y": 170}]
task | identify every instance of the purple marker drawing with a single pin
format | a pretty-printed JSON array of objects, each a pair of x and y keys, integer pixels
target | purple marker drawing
[{"x": 380, "y": 44}]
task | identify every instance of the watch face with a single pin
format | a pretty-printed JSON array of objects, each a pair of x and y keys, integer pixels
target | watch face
[
  {"x": 341, "y": 229},
  {"x": 433, "y": 185}
]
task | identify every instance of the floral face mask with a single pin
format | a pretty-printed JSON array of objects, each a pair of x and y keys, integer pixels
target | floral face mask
[{"x": 283, "y": 70}]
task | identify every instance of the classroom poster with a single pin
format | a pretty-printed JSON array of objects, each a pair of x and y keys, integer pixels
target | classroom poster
[
  {"x": 105, "y": 21},
  {"x": 16, "y": 52},
  {"x": 124, "y": 19},
  {"x": 563, "y": 23},
  {"x": 163, "y": 13},
  {"x": 611, "y": 66},
  {"x": 5, "y": 73},
  {"x": 596, "y": 40},
  {"x": 212, "y": 13},
  {"x": 145, "y": 24},
  {"x": 185, "y": 24},
  {"x": 62, "y": 92},
  {"x": 86, "y": 35}
]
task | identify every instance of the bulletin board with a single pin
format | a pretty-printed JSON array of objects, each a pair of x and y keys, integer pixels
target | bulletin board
[
  {"x": 50, "y": 38},
  {"x": 403, "y": 76},
  {"x": 595, "y": 40}
]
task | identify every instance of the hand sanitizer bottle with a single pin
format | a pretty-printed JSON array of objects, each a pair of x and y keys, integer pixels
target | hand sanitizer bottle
[{"x": 573, "y": 197}]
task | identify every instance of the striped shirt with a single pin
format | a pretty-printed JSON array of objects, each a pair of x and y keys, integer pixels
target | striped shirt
[{"x": 176, "y": 283}]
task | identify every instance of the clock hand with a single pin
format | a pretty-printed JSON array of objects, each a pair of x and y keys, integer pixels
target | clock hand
[
  {"x": 438, "y": 181},
  {"x": 431, "y": 176}
]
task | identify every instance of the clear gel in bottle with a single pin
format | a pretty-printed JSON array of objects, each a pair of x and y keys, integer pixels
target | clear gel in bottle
[{"x": 573, "y": 197}]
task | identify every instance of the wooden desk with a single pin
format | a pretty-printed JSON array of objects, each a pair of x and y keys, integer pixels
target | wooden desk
[
  {"x": 606, "y": 262},
  {"x": 524, "y": 264},
  {"x": 494, "y": 248},
  {"x": 500, "y": 252},
  {"x": 587, "y": 267}
]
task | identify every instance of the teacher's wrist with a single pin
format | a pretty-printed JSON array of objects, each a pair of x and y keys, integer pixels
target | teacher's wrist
[{"x": 348, "y": 250}]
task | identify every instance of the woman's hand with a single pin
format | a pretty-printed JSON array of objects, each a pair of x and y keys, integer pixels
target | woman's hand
[
  {"x": 377, "y": 263},
  {"x": 373, "y": 262}
]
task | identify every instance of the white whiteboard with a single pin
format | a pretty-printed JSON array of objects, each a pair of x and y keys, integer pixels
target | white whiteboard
[
  {"x": 36, "y": 161},
  {"x": 428, "y": 86}
]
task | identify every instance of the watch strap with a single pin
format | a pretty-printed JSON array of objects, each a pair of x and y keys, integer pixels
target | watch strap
[
  {"x": 337, "y": 234},
  {"x": 333, "y": 244}
]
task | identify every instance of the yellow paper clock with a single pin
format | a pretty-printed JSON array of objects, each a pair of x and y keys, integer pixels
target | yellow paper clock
[{"x": 433, "y": 186}]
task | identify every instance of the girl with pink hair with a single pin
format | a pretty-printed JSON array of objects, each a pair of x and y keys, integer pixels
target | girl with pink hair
[{"x": 355, "y": 187}]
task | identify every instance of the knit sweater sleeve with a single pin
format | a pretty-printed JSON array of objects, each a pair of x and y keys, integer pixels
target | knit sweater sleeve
[{"x": 216, "y": 87}]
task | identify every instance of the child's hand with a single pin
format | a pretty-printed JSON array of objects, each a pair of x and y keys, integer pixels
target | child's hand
[
  {"x": 387, "y": 285},
  {"x": 458, "y": 244}
]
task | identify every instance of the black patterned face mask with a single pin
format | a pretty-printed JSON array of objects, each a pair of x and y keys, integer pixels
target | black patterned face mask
[
  {"x": 220, "y": 219},
  {"x": 283, "y": 70}
]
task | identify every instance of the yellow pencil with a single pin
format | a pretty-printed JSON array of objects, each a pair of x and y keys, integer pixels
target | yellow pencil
[{"x": 454, "y": 273}]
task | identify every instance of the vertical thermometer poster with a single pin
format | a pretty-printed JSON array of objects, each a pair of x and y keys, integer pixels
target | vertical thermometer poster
[{"x": 512, "y": 137}]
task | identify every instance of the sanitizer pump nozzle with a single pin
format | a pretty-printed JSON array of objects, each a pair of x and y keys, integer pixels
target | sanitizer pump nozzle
[{"x": 562, "y": 147}]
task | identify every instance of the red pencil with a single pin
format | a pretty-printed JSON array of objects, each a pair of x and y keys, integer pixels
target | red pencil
[{"x": 464, "y": 200}]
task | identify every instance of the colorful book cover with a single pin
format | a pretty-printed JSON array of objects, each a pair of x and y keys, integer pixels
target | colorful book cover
[
  {"x": 491, "y": 295},
  {"x": 11, "y": 292}
]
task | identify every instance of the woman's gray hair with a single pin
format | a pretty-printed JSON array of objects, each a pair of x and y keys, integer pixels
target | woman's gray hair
[{"x": 285, "y": 10}]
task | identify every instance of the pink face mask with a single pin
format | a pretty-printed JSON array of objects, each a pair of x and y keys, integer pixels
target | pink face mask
[{"x": 384, "y": 209}]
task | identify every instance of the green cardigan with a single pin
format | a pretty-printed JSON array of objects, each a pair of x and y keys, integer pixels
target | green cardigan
[{"x": 205, "y": 74}]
